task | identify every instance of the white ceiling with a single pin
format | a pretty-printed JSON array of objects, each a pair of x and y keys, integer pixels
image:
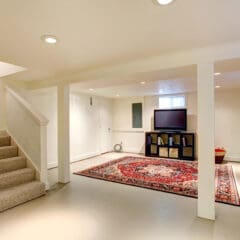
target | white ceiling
[
  {"x": 168, "y": 81},
  {"x": 227, "y": 80},
  {"x": 95, "y": 32}
]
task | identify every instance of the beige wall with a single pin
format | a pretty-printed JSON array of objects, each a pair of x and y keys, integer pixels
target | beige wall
[
  {"x": 2, "y": 107},
  {"x": 23, "y": 127},
  {"x": 227, "y": 121}
]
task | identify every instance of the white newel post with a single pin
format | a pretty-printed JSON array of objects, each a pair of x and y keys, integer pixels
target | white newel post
[
  {"x": 63, "y": 133},
  {"x": 206, "y": 129},
  {"x": 44, "y": 168}
]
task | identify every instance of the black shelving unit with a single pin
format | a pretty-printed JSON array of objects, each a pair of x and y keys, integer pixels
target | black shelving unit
[{"x": 177, "y": 145}]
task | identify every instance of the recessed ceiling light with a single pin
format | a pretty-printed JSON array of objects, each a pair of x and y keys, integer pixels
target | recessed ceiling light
[
  {"x": 143, "y": 82},
  {"x": 217, "y": 73},
  {"x": 49, "y": 39},
  {"x": 164, "y": 2},
  {"x": 91, "y": 89},
  {"x": 117, "y": 95},
  {"x": 160, "y": 91},
  {"x": 217, "y": 86}
]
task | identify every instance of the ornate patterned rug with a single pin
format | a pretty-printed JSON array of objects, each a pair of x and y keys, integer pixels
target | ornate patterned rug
[{"x": 174, "y": 176}]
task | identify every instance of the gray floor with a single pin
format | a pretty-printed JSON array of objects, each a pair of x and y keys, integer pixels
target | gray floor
[{"x": 90, "y": 209}]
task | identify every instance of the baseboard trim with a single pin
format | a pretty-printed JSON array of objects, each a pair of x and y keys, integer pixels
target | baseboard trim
[
  {"x": 75, "y": 159},
  {"x": 84, "y": 156},
  {"x": 133, "y": 150},
  {"x": 232, "y": 159}
]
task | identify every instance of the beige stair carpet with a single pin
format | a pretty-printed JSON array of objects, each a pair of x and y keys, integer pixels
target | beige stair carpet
[
  {"x": 11, "y": 164},
  {"x": 18, "y": 183}
]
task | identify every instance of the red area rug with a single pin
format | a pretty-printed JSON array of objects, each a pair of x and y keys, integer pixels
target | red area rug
[{"x": 173, "y": 176}]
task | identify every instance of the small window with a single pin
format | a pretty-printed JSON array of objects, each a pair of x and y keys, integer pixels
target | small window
[{"x": 168, "y": 102}]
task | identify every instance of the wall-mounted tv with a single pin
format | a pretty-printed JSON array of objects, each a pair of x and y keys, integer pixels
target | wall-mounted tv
[{"x": 170, "y": 119}]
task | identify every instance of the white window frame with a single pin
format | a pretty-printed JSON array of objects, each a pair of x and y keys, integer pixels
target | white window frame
[{"x": 171, "y": 106}]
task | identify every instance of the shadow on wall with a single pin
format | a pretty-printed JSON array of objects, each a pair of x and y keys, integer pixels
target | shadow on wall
[
  {"x": 192, "y": 123},
  {"x": 143, "y": 149},
  {"x": 152, "y": 123}
]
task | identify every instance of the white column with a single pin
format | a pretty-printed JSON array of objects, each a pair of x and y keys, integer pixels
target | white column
[
  {"x": 206, "y": 125},
  {"x": 43, "y": 143},
  {"x": 63, "y": 134}
]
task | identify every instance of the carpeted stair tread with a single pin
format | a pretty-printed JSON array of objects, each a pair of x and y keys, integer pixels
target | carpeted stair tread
[
  {"x": 5, "y": 141},
  {"x": 18, "y": 183},
  {"x": 12, "y": 164},
  {"x": 8, "y": 152},
  {"x": 14, "y": 196},
  {"x": 3, "y": 133},
  {"x": 17, "y": 177}
]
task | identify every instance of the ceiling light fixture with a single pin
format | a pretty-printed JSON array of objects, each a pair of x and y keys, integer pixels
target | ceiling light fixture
[
  {"x": 49, "y": 39},
  {"x": 117, "y": 95},
  {"x": 143, "y": 82},
  {"x": 91, "y": 89},
  {"x": 217, "y": 86},
  {"x": 164, "y": 2},
  {"x": 160, "y": 91},
  {"x": 217, "y": 73}
]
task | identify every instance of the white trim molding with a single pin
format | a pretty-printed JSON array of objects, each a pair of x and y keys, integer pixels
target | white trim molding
[
  {"x": 128, "y": 130},
  {"x": 232, "y": 157},
  {"x": 76, "y": 159},
  {"x": 36, "y": 116}
]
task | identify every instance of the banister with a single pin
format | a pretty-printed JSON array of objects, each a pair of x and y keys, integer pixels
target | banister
[{"x": 36, "y": 116}]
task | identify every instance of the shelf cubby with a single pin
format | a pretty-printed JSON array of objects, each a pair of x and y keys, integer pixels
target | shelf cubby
[{"x": 175, "y": 145}]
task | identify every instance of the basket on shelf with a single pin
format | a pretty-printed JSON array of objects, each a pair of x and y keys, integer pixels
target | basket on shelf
[{"x": 219, "y": 155}]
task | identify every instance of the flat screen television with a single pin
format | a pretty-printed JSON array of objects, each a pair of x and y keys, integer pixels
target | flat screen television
[{"x": 170, "y": 119}]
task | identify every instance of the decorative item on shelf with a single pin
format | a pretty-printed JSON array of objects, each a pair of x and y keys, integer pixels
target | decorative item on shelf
[
  {"x": 160, "y": 141},
  {"x": 118, "y": 147},
  {"x": 184, "y": 141},
  {"x": 170, "y": 141},
  {"x": 219, "y": 154}
]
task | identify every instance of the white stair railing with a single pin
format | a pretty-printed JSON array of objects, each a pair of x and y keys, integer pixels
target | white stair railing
[{"x": 28, "y": 128}]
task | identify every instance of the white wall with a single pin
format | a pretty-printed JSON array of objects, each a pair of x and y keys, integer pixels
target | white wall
[
  {"x": 227, "y": 126},
  {"x": 89, "y": 124},
  {"x": 134, "y": 139},
  {"x": 227, "y": 120},
  {"x": 131, "y": 138},
  {"x": 88, "y": 135},
  {"x": 46, "y": 103}
]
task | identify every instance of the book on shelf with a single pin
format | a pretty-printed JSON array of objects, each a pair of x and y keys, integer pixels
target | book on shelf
[
  {"x": 160, "y": 141},
  {"x": 149, "y": 140},
  {"x": 184, "y": 141}
]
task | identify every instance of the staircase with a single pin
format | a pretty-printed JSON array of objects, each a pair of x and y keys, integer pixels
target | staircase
[{"x": 18, "y": 182}]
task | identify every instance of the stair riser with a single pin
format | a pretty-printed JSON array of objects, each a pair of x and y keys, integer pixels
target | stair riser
[
  {"x": 8, "y": 152},
  {"x": 14, "y": 180},
  {"x": 7, "y": 165},
  {"x": 18, "y": 196},
  {"x": 5, "y": 141}
]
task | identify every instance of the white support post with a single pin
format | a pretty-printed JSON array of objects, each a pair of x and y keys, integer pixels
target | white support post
[
  {"x": 206, "y": 130},
  {"x": 44, "y": 169},
  {"x": 63, "y": 134}
]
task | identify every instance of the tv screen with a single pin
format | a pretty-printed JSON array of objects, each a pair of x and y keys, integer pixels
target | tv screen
[{"x": 170, "y": 119}]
